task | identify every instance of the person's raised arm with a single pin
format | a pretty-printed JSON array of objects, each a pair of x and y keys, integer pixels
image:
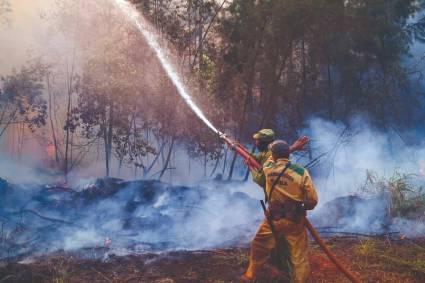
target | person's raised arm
[{"x": 299, "y": 144}]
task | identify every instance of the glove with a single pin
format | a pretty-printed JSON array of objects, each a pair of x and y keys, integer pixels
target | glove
[{"x": 299, "y": 144}]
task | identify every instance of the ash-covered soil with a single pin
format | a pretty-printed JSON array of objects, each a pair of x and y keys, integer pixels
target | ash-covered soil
[
  {"x": 125, "y": 216},
  {"x": 113, "y": 230},
  {"x": 373, "y": 259}
]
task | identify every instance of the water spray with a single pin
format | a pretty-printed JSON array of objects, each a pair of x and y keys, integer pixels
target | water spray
[{"x": 146, "y": 30}]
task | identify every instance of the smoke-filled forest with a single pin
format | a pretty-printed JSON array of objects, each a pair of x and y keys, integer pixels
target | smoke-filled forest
[{"x": 109, "y": 171}]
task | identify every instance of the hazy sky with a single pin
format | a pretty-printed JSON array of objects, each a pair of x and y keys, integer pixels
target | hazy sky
[{"x": 24, "y": 33}]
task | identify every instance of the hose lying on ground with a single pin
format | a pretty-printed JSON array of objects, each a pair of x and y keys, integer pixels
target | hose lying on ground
[{"x": 329, "y": 253}]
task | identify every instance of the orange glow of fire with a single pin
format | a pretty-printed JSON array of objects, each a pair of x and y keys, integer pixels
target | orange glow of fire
[{"x": 51, "y": 151}]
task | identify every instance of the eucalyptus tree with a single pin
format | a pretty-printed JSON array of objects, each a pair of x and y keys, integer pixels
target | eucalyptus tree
[{"x": 21, "y": 99}]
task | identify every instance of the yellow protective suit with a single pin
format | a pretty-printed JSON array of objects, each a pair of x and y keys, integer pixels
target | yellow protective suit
[
  {"x": 258, "y": 175},
  {"x": 294, "y": 187}
]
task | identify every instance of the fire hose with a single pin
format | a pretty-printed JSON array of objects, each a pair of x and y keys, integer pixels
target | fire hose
[{"x": 253, "y": 164}]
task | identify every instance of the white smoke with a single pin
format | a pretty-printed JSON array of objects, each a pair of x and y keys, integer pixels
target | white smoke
[
  {"x": 131, "y": 216},
  {"x": 349, "y": 153},
  {"x": 350, "y": 150}
]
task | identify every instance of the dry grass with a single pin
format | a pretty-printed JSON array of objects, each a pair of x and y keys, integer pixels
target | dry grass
[
  {"x": 403, "y": 192},
  {"x": 374, "y": 260},
  {"x": 382, "y": 260}
]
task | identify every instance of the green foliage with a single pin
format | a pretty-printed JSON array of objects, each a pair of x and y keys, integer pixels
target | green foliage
[
  {"x": 275, "y": 64},
  {"x": 252, "y": 64},
  {"x": 208, "y": 66},
  {"x": 21, "y": 98},
  {"x": 322, "y": 58},
  {"x": 366, "y": 248},
  {"x": 131, "y": 146},
  {"x": 111, "y": 108}
]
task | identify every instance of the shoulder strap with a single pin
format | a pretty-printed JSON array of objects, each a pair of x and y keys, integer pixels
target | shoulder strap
[{"x": 277, "y": 180}]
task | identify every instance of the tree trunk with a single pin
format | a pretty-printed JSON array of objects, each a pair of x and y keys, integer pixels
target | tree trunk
[
  {"x": 105, "y": 139},
  {"x": 330, "y": 94},
  {"x": 225, "y": 162},
  {"x": 161, "y": 150},
  {"x": 189, "y": 43},
  {"x": 232, "y": 165},
  {"x": 167, "y": 161},
  {"x": 304, "y": 78},
  {"x": 215, "y": 166},
  {"x": 67, "y": 135},
  {"x": 205, "y": 163},
  {"x": 21, "y": 135},
  {"x": 12, "y": 117},
  {"x": 127, "y": 138},
  {"x": 202, "y": 35},
  {"x": 55, "y": 142},
  {"x": 200, "y": 30},
  {"x": 242, "y": 126},
  {"x": 249, "y": 82},
  {"x": 109, "y": 138}
]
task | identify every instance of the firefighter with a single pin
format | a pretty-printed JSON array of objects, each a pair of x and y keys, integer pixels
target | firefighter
[
  {"x": 290, "y": 193},
  {"x": 263, "y": 139}
]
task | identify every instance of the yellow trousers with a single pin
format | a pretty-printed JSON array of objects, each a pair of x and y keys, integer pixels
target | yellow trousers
[{"x": 295, "y": 236}]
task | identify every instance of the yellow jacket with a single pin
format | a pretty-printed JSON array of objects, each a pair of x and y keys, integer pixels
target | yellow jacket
[
  {"x": 295, "y": 184},
  {"x": 258, "y": 175}
]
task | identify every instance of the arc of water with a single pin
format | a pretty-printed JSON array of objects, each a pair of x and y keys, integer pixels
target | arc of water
[{"x": 142, "y": 25}]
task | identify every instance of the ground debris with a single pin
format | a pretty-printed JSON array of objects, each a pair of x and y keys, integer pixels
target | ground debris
[
  {"x": 374, "y": 260},
  {"x": 126, "y": 216}
]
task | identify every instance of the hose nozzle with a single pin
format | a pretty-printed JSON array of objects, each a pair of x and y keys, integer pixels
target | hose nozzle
[{"x": 231, "y": 143}]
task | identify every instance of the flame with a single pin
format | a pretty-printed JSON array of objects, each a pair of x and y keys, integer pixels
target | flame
[{"x": 51, "y": 151}]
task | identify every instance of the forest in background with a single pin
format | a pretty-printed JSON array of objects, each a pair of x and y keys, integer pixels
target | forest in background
[{"x": 251, "y": 64}]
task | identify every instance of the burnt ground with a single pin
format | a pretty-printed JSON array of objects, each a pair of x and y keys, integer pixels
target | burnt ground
[
  {"x": 373, "y": 259},
  {"x": 148, "y": 216}
]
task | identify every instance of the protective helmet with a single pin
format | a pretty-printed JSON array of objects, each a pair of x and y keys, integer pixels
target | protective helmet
[{"x": 266, "y": 135}]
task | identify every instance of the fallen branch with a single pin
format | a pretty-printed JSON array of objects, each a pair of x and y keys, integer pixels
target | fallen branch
[
  {"x": 414, "y": 244},
  {"x": 165, "y": 169},
  {"x": 101, "y": 274},
  {"x": 360, "y": 234},
  {"x": 45, "y": 217},
  {"x": 40, "y": 216},
  {"x": 137, "y": 278},
  {"x": 5, "y": 278},
  {"x": 23, "y": 244},
  {"x": 315, "y": 160}
]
